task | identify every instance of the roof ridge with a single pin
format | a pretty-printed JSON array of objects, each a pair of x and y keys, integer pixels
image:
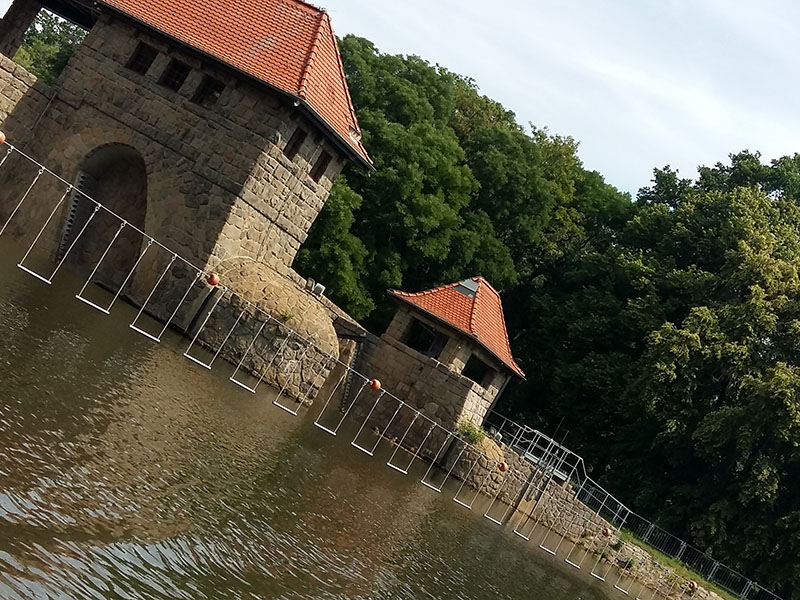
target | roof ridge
[
  {"x": 505, "y": 329},
  {"x": 488, "y": 284},
  {"x": 343, "y": 75},
  {"x": 309, "y": 5},
  {"x": 312, "y": 52},
  {"x": 424, "y": 292},
  {"x": 502, "y": 318},
  {"x": 474, "y": 305}
]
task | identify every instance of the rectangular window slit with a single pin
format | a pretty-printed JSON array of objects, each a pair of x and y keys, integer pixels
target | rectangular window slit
[
  {"x": 142, "y": 58},
  {"x": 295, "y": 142},
  {"x": 208, "y": 92},
  {"x": 424, "y": 339},
  {"x": 174, "y": 75},
  {"x": 321, "y": 166}
]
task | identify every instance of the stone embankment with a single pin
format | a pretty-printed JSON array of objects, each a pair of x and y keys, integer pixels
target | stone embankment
[{"x": 553, "y": 505}]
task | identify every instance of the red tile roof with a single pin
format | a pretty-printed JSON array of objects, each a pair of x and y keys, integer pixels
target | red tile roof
[
  {"x": 288, "y": 44},
  {"x": 478, "y": 314}
]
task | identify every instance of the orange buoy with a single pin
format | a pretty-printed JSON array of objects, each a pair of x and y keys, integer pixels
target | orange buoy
[
  {"x": 503, "y": 467},
  {"x": 693, "y": 586},
  {"x": 213, "y": 279},
  {"x": 2, "y": 137},
  {"x": 607, "y": 531},
  {"x": 375, "y": 384}
]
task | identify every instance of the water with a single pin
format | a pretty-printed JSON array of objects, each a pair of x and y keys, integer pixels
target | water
[{"x": 128, "y": 472}]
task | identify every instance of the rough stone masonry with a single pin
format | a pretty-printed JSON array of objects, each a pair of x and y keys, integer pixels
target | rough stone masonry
[{"x": 212, "y": 183}]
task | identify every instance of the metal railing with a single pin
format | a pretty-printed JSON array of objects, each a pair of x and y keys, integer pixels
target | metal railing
[
  {"x": 583, "y": 505},
  {"x": 536, "y": 448}
]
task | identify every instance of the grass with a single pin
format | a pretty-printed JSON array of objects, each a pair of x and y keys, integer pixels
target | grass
[
  {"x": 471, "y": 432},
  {"x": 677, "y": 567}
]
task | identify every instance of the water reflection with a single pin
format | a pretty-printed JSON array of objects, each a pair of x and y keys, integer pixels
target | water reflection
[{"x": 128, "y": 472}]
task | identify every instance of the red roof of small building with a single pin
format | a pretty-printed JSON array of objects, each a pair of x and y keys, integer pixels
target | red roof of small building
[
  {"x": 288, "y": 44},
  {"x": 472, "y": 307}
]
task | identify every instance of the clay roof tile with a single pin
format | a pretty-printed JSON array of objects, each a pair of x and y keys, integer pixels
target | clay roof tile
[
  {"x": 287, "y": 44},
  {"x": 473, "y": 307}
]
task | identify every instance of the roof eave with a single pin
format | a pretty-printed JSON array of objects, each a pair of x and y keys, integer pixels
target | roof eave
[
  {"x": 472, "y": 336},
  {"x": 335, "y": 136}
]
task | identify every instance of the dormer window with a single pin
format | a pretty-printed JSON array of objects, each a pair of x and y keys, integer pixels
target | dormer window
[
  {"x": 321, "y": 166},
  {"x": 142, "y": 58},
  {"x": 468, "y": 287},
  {"x": 208, "y": 92},
  {"x": 174, "y": 75}
]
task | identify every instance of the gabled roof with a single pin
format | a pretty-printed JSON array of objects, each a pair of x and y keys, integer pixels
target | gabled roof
[
  {"x": 471, "y": 306},
  {"x": 287, "y": 44}
]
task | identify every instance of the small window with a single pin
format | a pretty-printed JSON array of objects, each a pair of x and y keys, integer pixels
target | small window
[
  {"x": 295, "y": 142},
  {"x": 468, "y": 287},
  {"x": 174, "y": 75},
  {"x": 321, "y": 166},
  {"x": 208, "y": 92},
  {"x": 142, "y": 58},
  {"x": 425, "y": 340},
  {"x": 478, "y": 371}
]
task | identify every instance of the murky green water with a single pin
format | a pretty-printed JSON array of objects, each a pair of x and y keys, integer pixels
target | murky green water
[{"x": 128, "y": 472}]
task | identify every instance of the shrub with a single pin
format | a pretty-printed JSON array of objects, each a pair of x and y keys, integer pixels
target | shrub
[{"x": 471, "y": 432}]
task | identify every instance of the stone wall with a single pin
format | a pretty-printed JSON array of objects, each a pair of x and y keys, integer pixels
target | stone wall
[
  {"x": 454, "y": 356},
  {"x": 297, "y": 348},
  {"x": 427, "y": 384},
  {"x": 424, "y": 384},
  {"x": 553, "y": 506},
  {"x": 218, "y": 184},
  {"x": 15, "y": 84},
  {"x": 15, "y": 23}
]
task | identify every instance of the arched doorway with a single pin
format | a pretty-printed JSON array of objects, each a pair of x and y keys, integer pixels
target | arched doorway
[{"x": 115, "y": 176}]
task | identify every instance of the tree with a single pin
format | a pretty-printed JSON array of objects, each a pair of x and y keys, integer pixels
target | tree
[
  {"x": 48, "y": 46},
  {"x": 459, "y": 187}
]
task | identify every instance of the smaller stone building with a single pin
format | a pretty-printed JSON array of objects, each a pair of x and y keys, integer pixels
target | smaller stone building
[{"x": 446, "y": 352}]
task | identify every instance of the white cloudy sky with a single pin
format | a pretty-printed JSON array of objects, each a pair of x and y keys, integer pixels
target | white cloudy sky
[{"x": 639, "y": 83}]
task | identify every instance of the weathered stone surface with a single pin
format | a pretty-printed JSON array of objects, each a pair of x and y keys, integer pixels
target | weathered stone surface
[
  {"x": 268, "y": 291},
  {"x": 555, "y": 507},
  {"x": 218, "y": 184},
  {"x": 211, "y": 185}
]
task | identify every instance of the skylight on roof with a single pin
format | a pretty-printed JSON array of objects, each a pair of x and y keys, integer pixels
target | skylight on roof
[{"x": 468, "y": 287}]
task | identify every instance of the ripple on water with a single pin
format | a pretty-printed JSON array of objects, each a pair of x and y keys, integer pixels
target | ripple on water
[{"x": 126, "y": 472}]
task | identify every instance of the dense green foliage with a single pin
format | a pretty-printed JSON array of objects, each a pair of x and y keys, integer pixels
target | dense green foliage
[
  {"x": 661, "y": 331},
  {"x": 459, "y": 189},
  {"x": 670, "y": 356},
  {"x": 48, "y": 46}
]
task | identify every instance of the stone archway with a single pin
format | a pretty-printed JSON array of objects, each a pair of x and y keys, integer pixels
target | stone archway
[{"x": 114, "y": 175}]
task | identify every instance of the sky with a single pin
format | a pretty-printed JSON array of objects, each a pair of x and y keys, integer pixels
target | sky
[{"x": 639, "y": 84}]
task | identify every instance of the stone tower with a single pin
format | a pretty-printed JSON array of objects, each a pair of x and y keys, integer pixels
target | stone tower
[
  {"x": 446, "y": 352},
  {"x": 215, "y": 127}
]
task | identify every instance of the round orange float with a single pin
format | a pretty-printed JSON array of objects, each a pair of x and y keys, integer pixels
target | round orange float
[
  {"x": 503, "y": 467},
  {"x": 2, "y": 137},
  {"x": 375, "y": 384},
  {"x": 693, "y": 586},
  {"x": 607, "y": 531},
  {"x": 213, "y": 279}
]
